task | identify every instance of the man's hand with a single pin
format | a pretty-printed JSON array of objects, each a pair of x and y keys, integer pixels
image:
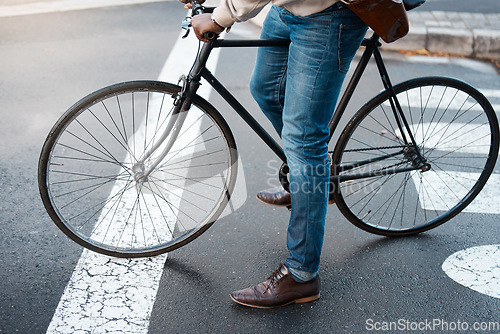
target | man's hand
[{"x": 203, "y": 24}]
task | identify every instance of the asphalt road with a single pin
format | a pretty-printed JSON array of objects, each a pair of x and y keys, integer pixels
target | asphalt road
[
  {"x": 483, "y": 6},
  {"x": 49, "y": 61}
]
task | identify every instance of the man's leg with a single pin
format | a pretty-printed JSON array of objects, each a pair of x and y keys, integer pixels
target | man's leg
[
  {"x": 268, "y": 89},
  {"x": 268, "y": 80},
  {"x": 322, "y": 46}
]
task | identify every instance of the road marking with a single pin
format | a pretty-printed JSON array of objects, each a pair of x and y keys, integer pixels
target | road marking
[
  {"x": 453, "y": 137},
  {"x": 449, "y": 101},
  {"x": 490, "y": 93},
  {"x": 473, "y": 64},
  {"x": 445, "y": 197},
  {"x": 108, "y": 294},
  {"x": 477, "y": 268},
  {"x": 445, "y": 188},
  {"x": 65, "y": 6}
]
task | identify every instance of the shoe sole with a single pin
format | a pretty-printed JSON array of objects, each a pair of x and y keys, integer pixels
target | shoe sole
[
  {"x": 285, "y": 205},
  {"x": 296, "y": 301}
]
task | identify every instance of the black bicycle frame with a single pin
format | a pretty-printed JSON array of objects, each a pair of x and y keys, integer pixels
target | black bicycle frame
[{"x": 371, "y": 45}]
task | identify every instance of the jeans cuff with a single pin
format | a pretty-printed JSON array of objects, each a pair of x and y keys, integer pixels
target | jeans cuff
[{"x": 301, "y": 276}]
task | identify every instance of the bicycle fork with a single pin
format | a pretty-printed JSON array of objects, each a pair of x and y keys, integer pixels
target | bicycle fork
[{"x": 182, "y": 104}]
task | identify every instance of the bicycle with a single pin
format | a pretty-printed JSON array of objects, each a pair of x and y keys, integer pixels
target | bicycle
[{"x": 141, "y": 168}]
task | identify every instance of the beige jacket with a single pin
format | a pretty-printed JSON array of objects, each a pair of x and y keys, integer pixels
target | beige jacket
[{"x": 230, "y": 11}]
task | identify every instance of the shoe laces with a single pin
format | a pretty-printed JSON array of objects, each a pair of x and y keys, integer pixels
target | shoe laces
[{"x": 275, "y": 278}]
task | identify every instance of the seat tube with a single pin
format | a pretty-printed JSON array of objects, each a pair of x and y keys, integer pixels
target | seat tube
[{"x": 395, "y": 105}]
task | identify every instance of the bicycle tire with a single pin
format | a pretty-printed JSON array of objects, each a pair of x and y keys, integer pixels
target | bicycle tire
[
  {"x": 455, "y": 128},
  {"x": 91, "y": 192}
]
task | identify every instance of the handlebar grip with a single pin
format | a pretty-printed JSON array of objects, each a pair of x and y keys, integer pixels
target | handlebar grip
[{"x": 199, "y": 9}]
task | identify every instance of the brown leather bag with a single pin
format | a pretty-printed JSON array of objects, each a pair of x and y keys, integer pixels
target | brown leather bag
[{"x": 387, "y": 18}]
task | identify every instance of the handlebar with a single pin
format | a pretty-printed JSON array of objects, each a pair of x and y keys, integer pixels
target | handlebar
[{"x": 196, "y": 10}]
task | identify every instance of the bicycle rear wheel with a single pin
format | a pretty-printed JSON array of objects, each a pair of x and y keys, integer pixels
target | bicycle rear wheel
[
  {"x": 87, "y": 177},
  {"x": 456, "y": 131}
]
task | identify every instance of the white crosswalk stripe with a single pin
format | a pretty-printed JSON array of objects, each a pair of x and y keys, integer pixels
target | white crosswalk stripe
[
  {"x": 493, "y": 95},
  {"x": 64, "y": 6},
  {"x": 445, "y": 198}
]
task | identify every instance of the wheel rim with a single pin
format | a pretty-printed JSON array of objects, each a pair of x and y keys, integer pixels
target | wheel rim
[
  {"x": 93, "y": 188},
  {"x": 456, "y": 137}
]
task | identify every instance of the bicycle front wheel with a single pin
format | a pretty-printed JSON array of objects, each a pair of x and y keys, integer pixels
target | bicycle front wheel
[
  {"x": 88, "y": 170},
  {"x": 456, "y": 131}
]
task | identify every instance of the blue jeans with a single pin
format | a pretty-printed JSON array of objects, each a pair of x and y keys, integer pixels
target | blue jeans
[{"x": 297, "y": 88}]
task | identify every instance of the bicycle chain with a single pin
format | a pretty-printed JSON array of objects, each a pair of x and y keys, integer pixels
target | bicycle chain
[
  {"x": 378, "y": 148},
  {"x": 391, "y": 166},
  {"x": 373, "y": 148}
]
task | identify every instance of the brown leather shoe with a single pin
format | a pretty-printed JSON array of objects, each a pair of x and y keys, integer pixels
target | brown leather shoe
[
  {"x": 279, "y": 289},
  {"x": 278, "y": 196}
]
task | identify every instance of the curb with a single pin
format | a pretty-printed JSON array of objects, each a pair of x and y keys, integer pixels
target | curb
[{"x": 458, "y": 34}]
